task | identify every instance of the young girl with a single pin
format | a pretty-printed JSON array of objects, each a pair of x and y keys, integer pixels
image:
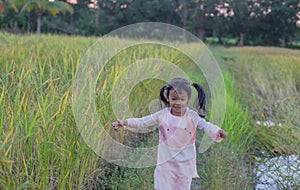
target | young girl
[{"x": 176, "y": 163}]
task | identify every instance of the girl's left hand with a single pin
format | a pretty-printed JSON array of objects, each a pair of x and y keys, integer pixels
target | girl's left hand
[
  {"x": 119, "y": 123},
  {"x": 220, "y": 135}
]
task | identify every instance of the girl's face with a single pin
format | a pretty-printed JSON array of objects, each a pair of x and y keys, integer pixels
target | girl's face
[{"x": 178, "y": 102}]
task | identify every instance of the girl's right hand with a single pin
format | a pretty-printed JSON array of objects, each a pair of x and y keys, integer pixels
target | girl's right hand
[{"x": 119, "y": 123}]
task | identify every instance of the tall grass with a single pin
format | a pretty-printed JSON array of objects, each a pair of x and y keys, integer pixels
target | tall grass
[
  {"x": 226, "y": 165},
  {"x": 40, "y": 145},
  {"x": 269, "y": 80},
  {"x": 41, "y": 148}
]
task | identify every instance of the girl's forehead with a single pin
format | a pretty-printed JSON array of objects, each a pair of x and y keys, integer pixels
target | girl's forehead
[{"x": 180, "y": 92}]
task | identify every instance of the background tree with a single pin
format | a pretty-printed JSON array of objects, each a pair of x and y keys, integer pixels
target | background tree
[
  {"x": 222, "y": 21},
  {"x": 82, "y": 21},
  {"x": 40, "y": 7},
  {"x": 182, "y": 10},
  {"x": 280, "y": 18},
  {"x": 10, "y": 21},
  {"x": 124, "y": 12},
  {"x": 2, "y": 8},
  {"x": 253, "y": 22},
  {"x": 239, "y": 13},
  {"x": 201, "y": 17}
]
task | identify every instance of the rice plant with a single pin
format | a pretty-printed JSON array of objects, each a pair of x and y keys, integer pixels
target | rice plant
[{"x": 41, "y": 147}]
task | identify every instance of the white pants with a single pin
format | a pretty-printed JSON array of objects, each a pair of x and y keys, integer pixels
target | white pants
[{"x": 166, "y": 178}]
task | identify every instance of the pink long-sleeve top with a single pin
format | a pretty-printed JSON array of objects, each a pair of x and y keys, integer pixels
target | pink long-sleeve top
[{"x": 177, "y": 134}]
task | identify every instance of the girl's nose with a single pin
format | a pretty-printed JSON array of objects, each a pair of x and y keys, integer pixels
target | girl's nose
[{"x": 178, "y": 102}]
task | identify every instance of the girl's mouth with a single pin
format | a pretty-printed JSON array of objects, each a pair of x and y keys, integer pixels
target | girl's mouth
[{"x": 178, "y": 108}]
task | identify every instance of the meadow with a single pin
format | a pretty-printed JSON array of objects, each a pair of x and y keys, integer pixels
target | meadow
[{"x": 41, "y": 147}]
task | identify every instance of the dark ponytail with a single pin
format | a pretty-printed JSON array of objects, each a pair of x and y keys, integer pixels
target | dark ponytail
[
  {"x": 200, "y": 101},
  {"x": 162, "y": 95}
]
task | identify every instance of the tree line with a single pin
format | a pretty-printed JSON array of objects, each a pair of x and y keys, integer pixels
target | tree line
[{"x": 241, "y": 22}]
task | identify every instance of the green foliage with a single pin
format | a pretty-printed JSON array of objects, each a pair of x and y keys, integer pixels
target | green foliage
[
  {"x": 276, "y": 24},
  {"x": 211, "y": 40},
  {"x": 122, "y": 13},
  {"x": 241, "y": 10},
  {"x": 230, "y": 41},
  {"x": 294, "y": 45},
  {"x": 271, "y": 23},
  {"x": 12, "y": 21},
  {"x": 41, "y": 147},
  {"x": 200, "y": 14},
  {"x": 227, "y": 165},
  {"x": 41, "y": 6},
  {"x": 53, "y": 7},
  {"x": 2, "y": 19},
  {"x": 269, "y": 81}
]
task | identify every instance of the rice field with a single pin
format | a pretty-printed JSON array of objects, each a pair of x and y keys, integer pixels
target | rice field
[
  {"x": 41, "y": 147},
  {"x": 270, "y": 84}
]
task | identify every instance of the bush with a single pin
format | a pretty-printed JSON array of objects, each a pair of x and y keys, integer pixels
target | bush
[
  {"x": 294, "y": 45},
  {"x": 211, "y": 40},
  {"x": 230, "y": 41}
]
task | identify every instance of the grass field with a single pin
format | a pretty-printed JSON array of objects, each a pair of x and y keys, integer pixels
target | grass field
[
  {"x": 269, "y": 81},
  {"x": 41, "y": 147}
]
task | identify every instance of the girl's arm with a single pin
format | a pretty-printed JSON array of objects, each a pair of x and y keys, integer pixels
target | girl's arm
[
  {"x": 139, "y": 124},
  {"x": 215, "y": 132}
]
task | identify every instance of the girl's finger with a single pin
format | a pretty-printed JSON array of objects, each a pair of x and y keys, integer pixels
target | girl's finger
[
  {"x": 120, "y": 121},
  {"x": 223, "y": 134}
]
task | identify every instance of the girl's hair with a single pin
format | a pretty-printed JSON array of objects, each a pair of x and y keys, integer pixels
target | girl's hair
[{"x": 180, "y": 84}]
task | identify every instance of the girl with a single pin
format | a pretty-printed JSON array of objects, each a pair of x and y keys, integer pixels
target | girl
[{"x": 176, "y": 163}]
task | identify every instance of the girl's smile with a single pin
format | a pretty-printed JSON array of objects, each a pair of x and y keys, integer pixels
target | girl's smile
[{"x": 178, "y": 102}]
